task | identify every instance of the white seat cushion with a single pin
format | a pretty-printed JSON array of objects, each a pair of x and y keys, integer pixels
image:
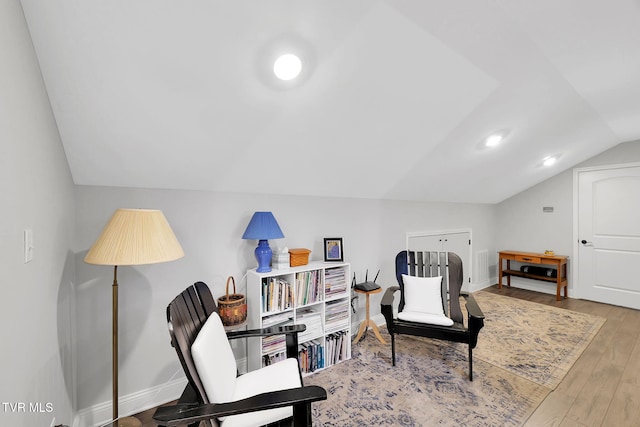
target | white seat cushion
[
  {"x": 279, "y": 376},
  {"x": 423, "y": 301},
  {"x": 432, "y": 319}
]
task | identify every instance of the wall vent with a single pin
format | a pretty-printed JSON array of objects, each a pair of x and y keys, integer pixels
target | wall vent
[{"x": 482, "y": 265}]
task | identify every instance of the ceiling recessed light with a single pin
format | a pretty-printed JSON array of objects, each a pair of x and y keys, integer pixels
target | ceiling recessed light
[
  {"x": 493, "y": 140},
  {"x": 287, "y": 67},
  {"x": 549, "y": 161}
]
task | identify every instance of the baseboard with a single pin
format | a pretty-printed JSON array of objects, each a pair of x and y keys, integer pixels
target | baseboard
[
  {"x": 475, "y": 287},
  {"x": 379, "y": 320},
  {"x": 100, "y": 414}
]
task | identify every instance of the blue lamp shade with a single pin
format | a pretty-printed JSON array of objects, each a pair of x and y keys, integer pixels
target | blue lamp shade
[{"x": 262, "y": 227}]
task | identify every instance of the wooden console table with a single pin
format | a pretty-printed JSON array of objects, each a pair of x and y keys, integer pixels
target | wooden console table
[{"x": 559, "y": 261}]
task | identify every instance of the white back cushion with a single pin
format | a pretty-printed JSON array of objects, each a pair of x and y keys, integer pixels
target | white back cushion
[
  {"x": 422, "y": 294},
  {"x": 423, "y": 300},
  {"x": 214, "y": 360}
]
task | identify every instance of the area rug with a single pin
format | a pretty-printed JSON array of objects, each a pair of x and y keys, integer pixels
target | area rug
[
  {"x": 535, "y": 341},
  {"x": 429, "y": 385}
]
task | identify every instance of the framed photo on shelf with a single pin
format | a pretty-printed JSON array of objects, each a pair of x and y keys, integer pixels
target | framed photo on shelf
[{"x": 333, "y": 249}]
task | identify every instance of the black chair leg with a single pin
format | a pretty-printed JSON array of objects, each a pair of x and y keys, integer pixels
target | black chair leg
[
  {"x": 470, "y": 363},
  {"x": 393, "y": 349},
  {"x": 302, "y": 415}
]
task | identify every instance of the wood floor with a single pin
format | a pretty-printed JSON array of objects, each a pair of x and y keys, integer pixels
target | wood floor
[{"x": 602, "y": 388}]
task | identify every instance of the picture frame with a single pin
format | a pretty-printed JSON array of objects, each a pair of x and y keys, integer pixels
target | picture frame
[{"x": 333, "y": 249}]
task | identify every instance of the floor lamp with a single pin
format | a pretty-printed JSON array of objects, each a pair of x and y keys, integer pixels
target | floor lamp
[{"x": 131, "y": 237}]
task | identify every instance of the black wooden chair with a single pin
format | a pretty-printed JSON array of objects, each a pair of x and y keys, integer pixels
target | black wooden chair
[
  {"x": 221, "y": 397},
  {"x": 415, "y": 316}
]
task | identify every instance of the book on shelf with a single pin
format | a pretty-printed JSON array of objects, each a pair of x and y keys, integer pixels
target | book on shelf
[
  {"x": 336, "y": 348},
  {"x": 279, "y": 319},
  {"x": 277, "y": 294},
  {"x": 308, "y": 287},
  {"x": 313, "y": 321},
  {"x": 270, "y": 359},
  {"x": 335, "y": 282},
  {"x": 336, "y": 315},
  {"x": 275, "y": 343},
  {"x": 311, "y": 356}
]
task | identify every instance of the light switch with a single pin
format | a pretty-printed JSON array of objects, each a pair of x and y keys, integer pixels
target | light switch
[{"x": 28, "y": 245}]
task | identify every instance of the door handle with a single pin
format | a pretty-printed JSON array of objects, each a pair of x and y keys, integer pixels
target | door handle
[{"x": 586, "y": 243}]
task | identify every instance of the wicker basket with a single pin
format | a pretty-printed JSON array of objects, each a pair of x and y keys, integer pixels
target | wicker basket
[{"x": 232, "y": 307}]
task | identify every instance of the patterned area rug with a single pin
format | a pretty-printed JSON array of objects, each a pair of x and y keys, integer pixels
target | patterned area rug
[
  {"x": 429, "y": 385},
  {"x": 534, "y": 341}
]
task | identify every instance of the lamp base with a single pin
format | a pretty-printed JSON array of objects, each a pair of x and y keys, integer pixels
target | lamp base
[
  {"x": 129, "y": 422},
  {"x": 263, "y": 255}
]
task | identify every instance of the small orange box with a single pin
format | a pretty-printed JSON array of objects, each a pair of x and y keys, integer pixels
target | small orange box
[{"x": 299, "y": 256}]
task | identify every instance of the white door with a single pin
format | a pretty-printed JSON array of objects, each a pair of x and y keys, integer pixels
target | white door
[{"x": 609, "y": 235}]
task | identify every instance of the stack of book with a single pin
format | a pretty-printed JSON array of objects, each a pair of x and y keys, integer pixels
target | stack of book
[
  {"x": 313, "y": 321},
  {"x": 335, "y": 282},
  {"x": 273, "y": 345},
  {"x": 336, "y": 315},
  {"x": 277, "y": 320}
]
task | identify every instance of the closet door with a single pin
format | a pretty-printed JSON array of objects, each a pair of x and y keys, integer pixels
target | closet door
[{"x": 458, "y": 242}]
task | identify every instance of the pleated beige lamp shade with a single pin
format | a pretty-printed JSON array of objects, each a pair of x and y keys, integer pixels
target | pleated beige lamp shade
[{"x": 135, "y": 237}]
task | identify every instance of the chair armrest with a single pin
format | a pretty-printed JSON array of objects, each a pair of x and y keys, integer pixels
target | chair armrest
[
  {"x": 265, "y": 332},
  {"x": 188, "y": 413},
  {"x": 386, "y": 306},
  {"x": 475, "y": 320},
  {"x": 387, "y": 298},
  {"x": 291, "y": 332},
  {"x": 473, "y": 308}
]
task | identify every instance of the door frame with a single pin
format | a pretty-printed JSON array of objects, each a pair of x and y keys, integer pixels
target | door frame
[{"x": 574, "y": 279}]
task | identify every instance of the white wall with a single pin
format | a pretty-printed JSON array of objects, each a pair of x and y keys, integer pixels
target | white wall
[
  {"x": 37, "y": 193},
  {"x": 523, "y": 226},
  {"x": 57, "y": 302},
  {"x": 209, "y": 226}
]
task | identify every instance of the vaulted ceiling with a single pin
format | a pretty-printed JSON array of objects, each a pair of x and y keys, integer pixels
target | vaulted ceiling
[{"x": 394, "y": 100}]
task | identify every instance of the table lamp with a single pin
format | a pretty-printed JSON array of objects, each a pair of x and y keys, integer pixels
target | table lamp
[
  {"x": 131, "y": 237},
  {"x": 262, "y": 227}
]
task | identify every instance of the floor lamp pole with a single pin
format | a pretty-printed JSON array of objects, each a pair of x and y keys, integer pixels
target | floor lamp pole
[
  {"x": 126, "y": 421},
  {"x": 114, "y": 345}
]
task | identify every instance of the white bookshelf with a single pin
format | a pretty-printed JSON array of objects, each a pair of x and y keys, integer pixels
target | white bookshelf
[{"x": 317, "y": 295}]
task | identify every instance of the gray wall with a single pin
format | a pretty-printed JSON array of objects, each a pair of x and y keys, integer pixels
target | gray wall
[
  {"x": 521, "y": 224},
  {"x": 36, "y": 193},
  {"x": 209, "y": 226}
]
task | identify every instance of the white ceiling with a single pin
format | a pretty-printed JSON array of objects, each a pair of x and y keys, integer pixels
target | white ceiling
[{"x": 393, "y": 103}]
